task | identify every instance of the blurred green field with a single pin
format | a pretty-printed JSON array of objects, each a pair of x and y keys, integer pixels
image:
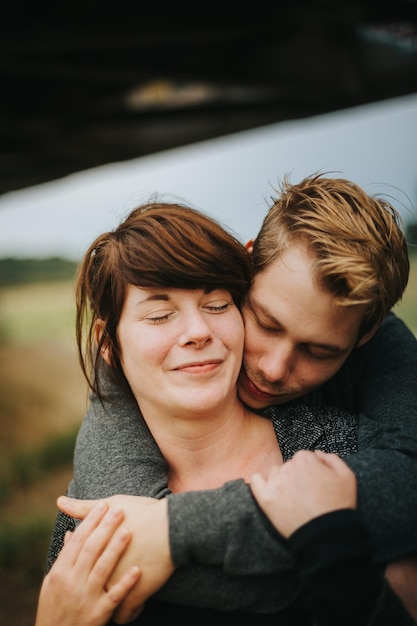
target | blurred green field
[
  {"x": 42, "y": 402},
  {"x": 37, "y": 312}
]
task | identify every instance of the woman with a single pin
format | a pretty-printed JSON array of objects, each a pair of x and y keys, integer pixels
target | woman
[
  {"x": 161, "y": 298},
  {"x": 158, "y": 304}
]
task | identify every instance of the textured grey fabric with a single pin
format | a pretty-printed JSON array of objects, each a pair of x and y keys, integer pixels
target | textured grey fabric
[{"x": 223, "y": 528}]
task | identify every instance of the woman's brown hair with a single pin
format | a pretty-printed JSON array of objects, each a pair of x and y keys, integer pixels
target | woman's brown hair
[{"x": 157, "y": 245}]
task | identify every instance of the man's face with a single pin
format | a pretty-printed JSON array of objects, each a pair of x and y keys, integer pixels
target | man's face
[{"x": 296, "y": 337}]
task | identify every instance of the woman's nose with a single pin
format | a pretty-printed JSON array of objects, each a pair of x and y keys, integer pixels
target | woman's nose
[{"x": 196, "y": 330}]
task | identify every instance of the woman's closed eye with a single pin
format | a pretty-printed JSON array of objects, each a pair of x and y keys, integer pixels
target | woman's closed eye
[
  {"x": 217, "y": 307},
  {"x": 159, "y": 317}
]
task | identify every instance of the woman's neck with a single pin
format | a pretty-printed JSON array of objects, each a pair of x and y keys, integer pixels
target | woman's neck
[{"x": 204, "y": 452}]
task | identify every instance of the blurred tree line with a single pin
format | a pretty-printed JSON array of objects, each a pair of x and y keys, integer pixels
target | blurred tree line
[{"x": 16, "y": 271}]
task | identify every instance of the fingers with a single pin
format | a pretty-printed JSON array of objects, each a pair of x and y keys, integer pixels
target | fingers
[
  {"x": 267, "y": 491},
  {"x": 74, "y": 542},
  {"x": 261, "y": 486},
  {"x": 308, "y": 457},
  {"x": 117, "y": 592},
  {"x": 258, "y": 486},
  {"x": 102, "y": 543},
  {"x": 315, "y": 458},
  {"x": 96, "y": 546},
  {"x": 334, "y": 462},
  {"x": 67, "y": 537},
  {"x": 310, "y": 484},
  {"x": 257, "y": 482},
  {"x": 112, "y": 546},
  {"x": 81, "y": 576},
  {"x": 330, "y": 459},
  {"x": 75, "y": 508}
]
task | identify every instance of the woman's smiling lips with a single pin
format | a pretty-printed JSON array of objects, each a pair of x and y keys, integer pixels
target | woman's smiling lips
[{"x": 197, "y": 367}]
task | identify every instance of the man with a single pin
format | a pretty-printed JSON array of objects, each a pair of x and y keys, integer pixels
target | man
[{"x": 330, "y": 262}]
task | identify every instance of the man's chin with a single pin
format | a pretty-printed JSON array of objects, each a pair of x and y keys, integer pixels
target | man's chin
[{"x": 255, "y": 399}]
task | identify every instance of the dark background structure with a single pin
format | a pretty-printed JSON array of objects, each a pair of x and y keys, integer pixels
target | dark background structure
[{"x": 88, "y": 83}]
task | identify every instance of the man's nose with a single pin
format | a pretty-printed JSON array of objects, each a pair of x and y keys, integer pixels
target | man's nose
[{"x": 278, "y": 363}]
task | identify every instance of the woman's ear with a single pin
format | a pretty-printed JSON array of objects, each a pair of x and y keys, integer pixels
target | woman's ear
[
  {"x": 249, "y": 245},
  {"x": 99, "y": 330}
]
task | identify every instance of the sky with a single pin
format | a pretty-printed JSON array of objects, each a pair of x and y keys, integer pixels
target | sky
[{"x": 231, "y": 178}]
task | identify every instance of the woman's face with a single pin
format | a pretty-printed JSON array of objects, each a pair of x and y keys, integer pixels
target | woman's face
[{"x": 181, "y": 349}]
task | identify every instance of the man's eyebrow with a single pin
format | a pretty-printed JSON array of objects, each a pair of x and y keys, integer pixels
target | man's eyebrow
[{"x": 263, "y": 310}]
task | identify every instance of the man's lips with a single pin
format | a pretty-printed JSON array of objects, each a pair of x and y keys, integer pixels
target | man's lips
[{"x": 252, "y": 389}]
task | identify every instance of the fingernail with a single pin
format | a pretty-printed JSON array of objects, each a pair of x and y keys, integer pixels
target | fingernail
[
  {"x": 124, "y": 533},
  {"x": 117, "y": 511}
]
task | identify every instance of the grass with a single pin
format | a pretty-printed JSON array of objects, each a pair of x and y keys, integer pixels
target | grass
[
  {"x": 19, "y": 540},
  {"x": 37, "y": 312},
  {"x": 28, "y": 467},
  {"x": 42, "y": 401}
]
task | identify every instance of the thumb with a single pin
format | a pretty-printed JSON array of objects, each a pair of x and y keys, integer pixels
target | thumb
[{"x": 75, "y": 508}]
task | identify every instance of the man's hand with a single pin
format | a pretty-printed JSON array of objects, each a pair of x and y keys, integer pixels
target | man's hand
[
  {"x": 147, "y": 521},
  {"x": 307, "y": 486}
]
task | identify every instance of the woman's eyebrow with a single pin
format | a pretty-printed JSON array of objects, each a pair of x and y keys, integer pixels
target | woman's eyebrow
[{"x": 158, "y": 296}]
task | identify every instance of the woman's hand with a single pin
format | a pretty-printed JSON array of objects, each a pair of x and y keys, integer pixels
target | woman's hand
[
  {"x": 149, "y": 549},
  {"x": 307, "y": 486},
  {"x": 77, "y": 591}
]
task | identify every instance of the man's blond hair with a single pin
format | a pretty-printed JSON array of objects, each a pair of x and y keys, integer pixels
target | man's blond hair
[{"x": 356, "y": 242}]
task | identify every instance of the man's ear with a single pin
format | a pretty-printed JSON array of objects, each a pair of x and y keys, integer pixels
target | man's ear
[
  {"x": 99, "y": 330},
  {"x": 249, "y": 245},
  {"x": 367, "y": 336}
]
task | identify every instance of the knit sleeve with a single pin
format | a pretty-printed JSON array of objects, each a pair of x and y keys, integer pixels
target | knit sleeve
[
  {"x": 384, "y": 392},
  {"x": 339, "y": 576}
]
